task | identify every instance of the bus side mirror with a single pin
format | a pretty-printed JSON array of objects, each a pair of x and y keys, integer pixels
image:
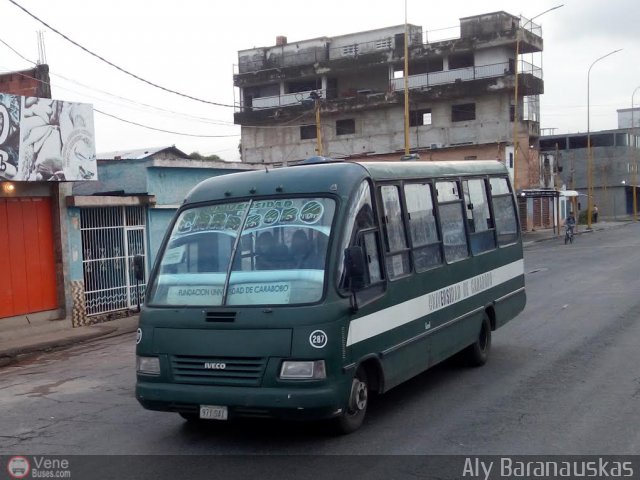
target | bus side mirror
[
  {"x": 138, "y": 267},
  {"x": 354, "y": 267}
]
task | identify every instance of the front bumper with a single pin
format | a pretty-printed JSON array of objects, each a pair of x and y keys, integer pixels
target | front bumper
[{"x": 283, "y": 402}]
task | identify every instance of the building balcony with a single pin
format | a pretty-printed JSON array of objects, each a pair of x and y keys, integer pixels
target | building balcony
[
  {"x": 287, "y": 100},
  {"x": 441, "y": 85},
  {"x": 465, "y": 74}
]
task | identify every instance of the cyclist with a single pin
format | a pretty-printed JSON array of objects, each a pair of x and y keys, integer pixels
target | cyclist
[{"x": 570, "y": 225}]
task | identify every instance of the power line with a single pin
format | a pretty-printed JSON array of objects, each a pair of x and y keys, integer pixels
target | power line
[
  {"x": 145, "y": 105},
  {"x": 160, "y": 129},
  {"x": 137, "y": 77},
  {"x": 185, "y": 115},
  {"x": 288, "y": 124},
  {"x": 16, "y": 52},
  {"x": 131, "y": 122}
]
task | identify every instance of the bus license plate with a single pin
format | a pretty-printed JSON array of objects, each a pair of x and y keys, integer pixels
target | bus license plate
[{"x": 213, "y": 412}]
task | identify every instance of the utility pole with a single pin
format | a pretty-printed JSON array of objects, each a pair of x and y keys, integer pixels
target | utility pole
[
  {"x": 316, "y": 99},
  {"x": 407, "y": 147}
]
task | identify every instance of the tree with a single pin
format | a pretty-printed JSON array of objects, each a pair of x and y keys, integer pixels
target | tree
[{"x": 199, "y": 156}]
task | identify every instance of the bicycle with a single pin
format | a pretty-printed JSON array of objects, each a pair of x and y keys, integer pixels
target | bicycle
[{"x": 568, "y": 236}]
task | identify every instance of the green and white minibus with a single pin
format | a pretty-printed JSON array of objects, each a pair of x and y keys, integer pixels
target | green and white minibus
[{"x": 298, "y": 292}]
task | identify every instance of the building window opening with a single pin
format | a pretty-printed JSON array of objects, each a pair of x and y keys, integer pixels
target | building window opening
[
  {"x": 420, "y": 117},
  {"x": 304, "y": 86},
  {"x": 346, "y": 127},
  {"x": 578, "y": 142},
  {"x": 461, "y": 60},
  {"x": 307, "y": 132},
  {"x": 463, "y": 113}
]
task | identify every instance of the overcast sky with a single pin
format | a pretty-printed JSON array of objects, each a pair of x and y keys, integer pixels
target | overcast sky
[{"x": 191, "y": 46}]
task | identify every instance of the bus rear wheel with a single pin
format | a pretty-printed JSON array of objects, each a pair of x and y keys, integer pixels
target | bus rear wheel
[
  {"x": 353, "y": 416},
  {"x": 477, "y": 353}
]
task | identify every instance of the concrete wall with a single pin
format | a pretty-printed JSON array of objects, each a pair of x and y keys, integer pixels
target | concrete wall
[
  {"x": 614, "y": 203},
  {"x": 27, "y": 83},
  {"x": 170, "y": 185},
  {"x": 626, "y": 115},
  {"x": 488, "y": 23},
  {"x": 490, "y": 56},
  {"x": 611, "y": 165},
  {"x": 382, "y": 131},
  {"x": 74, "y": 242},
  {"x": 376, "y": 80},
  {"x": 371, "y": 36},
  {"x": 116, "y": 175}
]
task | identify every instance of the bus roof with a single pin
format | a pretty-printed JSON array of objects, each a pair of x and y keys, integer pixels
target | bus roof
[
  {"x": 418, "y": 169},
  {"x": 336, "y": 178}
]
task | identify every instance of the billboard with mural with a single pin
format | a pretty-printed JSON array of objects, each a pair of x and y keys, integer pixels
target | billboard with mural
[{"x": 46, "y": 140}]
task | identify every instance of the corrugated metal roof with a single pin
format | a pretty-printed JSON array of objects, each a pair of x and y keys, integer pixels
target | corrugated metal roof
[{"x": 138, "y": 154}]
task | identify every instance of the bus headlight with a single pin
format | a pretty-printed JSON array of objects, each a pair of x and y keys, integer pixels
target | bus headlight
[
  {"x": 148, "y": 365},
  {"x": 301, "y": 370}
]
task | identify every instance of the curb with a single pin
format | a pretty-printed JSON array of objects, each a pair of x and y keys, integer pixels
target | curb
[
  {"x": 584, "y": 231},
  {"x": 16, "y": 354}
]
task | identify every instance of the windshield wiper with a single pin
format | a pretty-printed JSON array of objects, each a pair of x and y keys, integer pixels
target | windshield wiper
[{"x": 225, "y": 289}]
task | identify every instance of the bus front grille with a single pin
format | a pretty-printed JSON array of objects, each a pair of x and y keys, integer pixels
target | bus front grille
[{"x": 230, "y": 371}]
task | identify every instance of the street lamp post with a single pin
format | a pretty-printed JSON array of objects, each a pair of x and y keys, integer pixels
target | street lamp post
[
  {"x": 515, "y": 102},
  {"x": 635, "y": 157},
  {"x": 589, "y": 157}
]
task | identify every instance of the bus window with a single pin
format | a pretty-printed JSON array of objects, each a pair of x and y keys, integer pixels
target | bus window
[
  {"x": 504, "y": 211},
  {"x": 397, "y": 254},
  {"x": 422, "y": 226},
  {"x": 361, "y": 230},
  {"x": 452, "y": 221},
  {"x": 278, "y": 259},
  {"x": 479, "y": 221},
  {"x": 372, "y": 254},
  {"x": 499, "y": 186}
]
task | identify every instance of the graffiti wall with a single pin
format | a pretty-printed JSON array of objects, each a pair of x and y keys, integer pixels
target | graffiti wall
[{"x": 46, "y": 140}]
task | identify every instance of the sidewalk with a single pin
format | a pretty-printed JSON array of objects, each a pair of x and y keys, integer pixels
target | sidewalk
[
  {"x": 20, "y": 341},
  {"x": 542, "y": 235}
]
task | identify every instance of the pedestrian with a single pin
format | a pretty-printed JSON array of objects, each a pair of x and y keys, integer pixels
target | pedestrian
[{"x": 595, "y": 213}]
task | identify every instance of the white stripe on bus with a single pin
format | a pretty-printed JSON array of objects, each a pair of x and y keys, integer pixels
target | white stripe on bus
[{"x": 393, "y": 317}]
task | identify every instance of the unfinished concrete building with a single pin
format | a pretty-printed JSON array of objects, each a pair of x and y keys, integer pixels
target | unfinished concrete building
[{"x": 461, "y": 94}]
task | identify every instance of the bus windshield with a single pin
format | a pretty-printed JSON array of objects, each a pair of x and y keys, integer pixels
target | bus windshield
[{"x": 258, "y": 252}]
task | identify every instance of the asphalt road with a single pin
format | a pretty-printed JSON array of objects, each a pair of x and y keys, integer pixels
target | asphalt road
[{"x": 564, "y": 377}]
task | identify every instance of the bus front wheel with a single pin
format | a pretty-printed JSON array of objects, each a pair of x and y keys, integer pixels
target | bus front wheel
[
  {"x": 477, "y": 353},
  {"x": 353, "y": 416}
]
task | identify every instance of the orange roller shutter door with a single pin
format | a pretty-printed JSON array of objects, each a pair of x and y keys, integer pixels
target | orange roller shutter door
[{"x": 26, "y": 238}]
